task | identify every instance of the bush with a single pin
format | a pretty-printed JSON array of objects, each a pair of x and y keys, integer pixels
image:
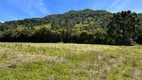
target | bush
[{"x": 129, "y": 42}]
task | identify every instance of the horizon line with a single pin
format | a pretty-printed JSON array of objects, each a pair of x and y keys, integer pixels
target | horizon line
[{"x": 2, "y": 21}]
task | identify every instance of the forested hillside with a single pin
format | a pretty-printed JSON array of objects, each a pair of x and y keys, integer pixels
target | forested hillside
[{"x": 84, "y": 26}]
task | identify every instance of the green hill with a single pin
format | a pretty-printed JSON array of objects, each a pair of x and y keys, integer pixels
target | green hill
[{"x": 83, "y": 26}]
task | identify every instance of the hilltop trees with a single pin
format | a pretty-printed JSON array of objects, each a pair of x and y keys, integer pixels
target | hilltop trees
[
  {"x": 123, "y": 28},
  {"x": 84, "y": 26}
]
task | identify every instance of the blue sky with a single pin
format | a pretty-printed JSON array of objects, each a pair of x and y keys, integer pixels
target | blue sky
[{"x": 20, "y": 9}]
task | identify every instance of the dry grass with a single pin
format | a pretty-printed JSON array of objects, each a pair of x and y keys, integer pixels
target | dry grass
[
  {"x": 30, "y": 61},
  {"x": 11, "y": 58}
]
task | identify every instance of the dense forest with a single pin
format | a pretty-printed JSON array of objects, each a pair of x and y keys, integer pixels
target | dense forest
[{"x": 84, "y": 26}]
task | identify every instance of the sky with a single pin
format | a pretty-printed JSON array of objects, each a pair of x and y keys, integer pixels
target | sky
[{"x": 20, "y": 9}]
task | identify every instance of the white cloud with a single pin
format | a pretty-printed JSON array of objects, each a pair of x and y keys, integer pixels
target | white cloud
[
  {"x": 7, "y": 16},
  {"x": 123, "y": 5},
  {"x": 40, "y": 5},
  {"x": 2, "y": 21},
  {"x": 31, "y": 7},
  {"x": 113, "y": 4}
]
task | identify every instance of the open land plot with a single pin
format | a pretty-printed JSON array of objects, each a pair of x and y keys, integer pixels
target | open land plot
[{"x": 59, "y": 61}]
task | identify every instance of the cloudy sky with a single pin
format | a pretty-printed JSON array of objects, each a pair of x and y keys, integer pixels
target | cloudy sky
[{"x": 20, "y": 9}]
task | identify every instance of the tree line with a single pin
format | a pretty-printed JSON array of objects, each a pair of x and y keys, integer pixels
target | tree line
[{"x": 84, "y": 26}]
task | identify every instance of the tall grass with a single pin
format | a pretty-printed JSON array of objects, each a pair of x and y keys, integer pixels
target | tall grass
[{"x": 48, "y": 61}]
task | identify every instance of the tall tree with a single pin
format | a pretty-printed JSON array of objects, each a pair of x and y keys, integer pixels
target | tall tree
[{"x": 123, "y": 28}]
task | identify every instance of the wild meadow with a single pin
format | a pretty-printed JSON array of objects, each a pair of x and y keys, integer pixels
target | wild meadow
[{"x": 59, "y": 61}]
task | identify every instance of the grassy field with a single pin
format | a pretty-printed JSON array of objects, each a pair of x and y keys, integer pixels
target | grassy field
[{"x": 47, "y": 61}]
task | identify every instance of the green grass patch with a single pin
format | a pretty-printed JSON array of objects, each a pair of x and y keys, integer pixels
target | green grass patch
[{"x": 49, "y": 61}]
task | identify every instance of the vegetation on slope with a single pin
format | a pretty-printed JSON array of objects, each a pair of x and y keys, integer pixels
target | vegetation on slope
[{"x": 84, "y": 26}]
